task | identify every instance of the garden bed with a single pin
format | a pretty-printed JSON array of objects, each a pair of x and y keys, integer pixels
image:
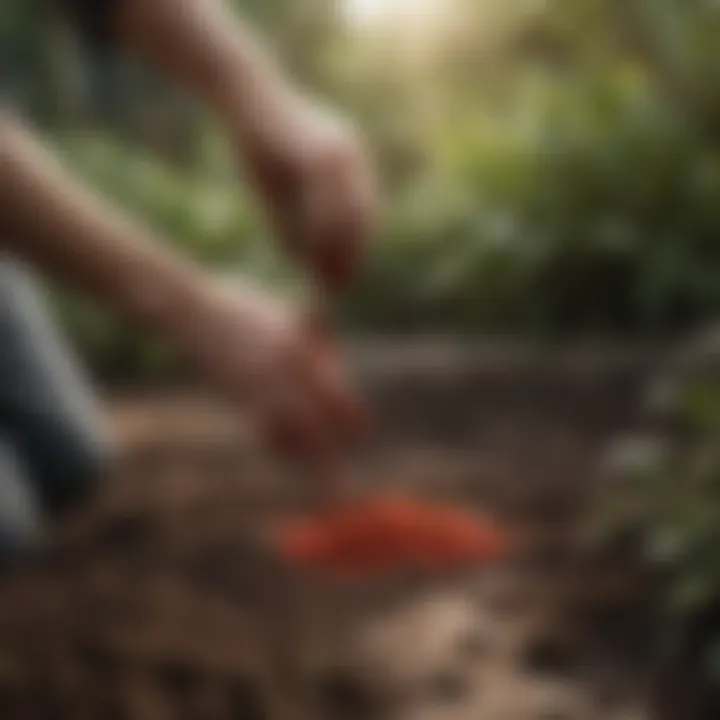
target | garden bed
[{"x": 163, "y": 600}]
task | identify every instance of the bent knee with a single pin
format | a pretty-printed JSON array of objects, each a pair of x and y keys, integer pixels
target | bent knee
[
  {"x": 68, "y": 465},
  {"x": 19, "y": 510}
]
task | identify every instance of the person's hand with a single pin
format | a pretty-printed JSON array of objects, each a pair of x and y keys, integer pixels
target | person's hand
[
  {"x": 255, "y": 350},
  {"x": 316, "y": 181},
  {"x": 307, "y": 163}
]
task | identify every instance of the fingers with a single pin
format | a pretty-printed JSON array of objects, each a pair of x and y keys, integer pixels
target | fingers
[
  {"x": 340, "y": 214},
  {"x": 313, "y": 413},
  {"x": 334, "y": 397},
  {"x": 297, "y": 432},
  {"x": 293, "y": 430}
]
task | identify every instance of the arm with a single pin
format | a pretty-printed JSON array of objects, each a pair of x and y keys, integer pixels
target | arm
[
  {"x": 207, "y": 49},
  {"x": 253, "y": 350},
  {"x": 306, "y": 163},
  {"x": 60, "y": 226},
  {"x": 197, "y": 42}
]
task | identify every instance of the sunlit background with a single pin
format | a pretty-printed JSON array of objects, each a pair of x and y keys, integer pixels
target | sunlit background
[
  {"x": 550, "y": 177},
  {"x": 372, "y": 13},
  {"x": 547, "y": 169}
]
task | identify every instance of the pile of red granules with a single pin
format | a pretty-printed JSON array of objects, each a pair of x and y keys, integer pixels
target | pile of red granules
[{"x": 391, "y": 534}]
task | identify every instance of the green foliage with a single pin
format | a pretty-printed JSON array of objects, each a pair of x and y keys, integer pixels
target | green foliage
[
  {"x": 595, "y": 213},
  {"x": 674, "y": 496},
  {"x": 546, "y": 172},
  {"x": 203, "y": 213}
]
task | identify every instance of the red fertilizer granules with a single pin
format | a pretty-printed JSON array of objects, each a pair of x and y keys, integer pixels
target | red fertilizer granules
[{"x": 391, "y": 534}]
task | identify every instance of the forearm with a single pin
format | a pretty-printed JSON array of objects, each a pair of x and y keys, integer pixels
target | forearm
[
  {"x": 204, "y": 46},
  {"x": 53, "y": 222}
]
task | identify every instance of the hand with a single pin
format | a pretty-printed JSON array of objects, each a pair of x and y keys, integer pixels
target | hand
[
  {"x": 255, "y": 350},
  {"x": 312, "y": 174},
  {"x": 307, "y": 163}
]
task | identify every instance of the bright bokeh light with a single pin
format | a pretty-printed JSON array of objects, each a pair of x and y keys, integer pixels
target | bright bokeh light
[{"x": 364, "y": 13}]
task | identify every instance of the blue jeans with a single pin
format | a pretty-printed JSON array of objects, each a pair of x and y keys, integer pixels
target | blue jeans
[{"x": 52, "y": 444}]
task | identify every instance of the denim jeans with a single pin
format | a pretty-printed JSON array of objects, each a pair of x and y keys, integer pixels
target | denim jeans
[{"x": 53, "y": 448}]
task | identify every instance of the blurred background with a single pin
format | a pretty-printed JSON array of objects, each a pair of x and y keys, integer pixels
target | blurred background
[
  {"x": 549, "y": 168},
  {"x": 551, "y": 187}
]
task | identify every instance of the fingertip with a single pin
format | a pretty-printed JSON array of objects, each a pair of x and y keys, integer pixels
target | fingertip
[
  {"x": 283, "y": 437},
  {"x": 357, "y": 419},
  {"x": 339, "y": 259},
  {"x": 297, "y": 438},
  {"x": 347, "y": 413},
  {"x": 337, "y": 269},
  {"x": 343, "y": 411}
]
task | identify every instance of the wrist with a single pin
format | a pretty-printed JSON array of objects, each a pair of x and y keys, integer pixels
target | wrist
[
  {"x": 249, "y": 99},
  {"x": 163, "y": 296},
  {"x": 202, "y": 44}
]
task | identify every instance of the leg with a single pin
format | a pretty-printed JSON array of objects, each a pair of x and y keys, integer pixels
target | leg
[
  {"x": 19, "y": 513},
  {"x": 45, "y": 409}
]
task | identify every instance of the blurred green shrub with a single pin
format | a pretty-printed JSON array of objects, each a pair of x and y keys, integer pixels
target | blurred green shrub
[
  {"x": 669, "y": 491},
  {"x": 202, "y": 212},
  {"x": 594, "y": 210},
  {"x": 593, "y": 207}
]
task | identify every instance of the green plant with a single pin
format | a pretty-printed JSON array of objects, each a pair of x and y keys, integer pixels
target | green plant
[
  {"x": 586, "y": 204},
  {"x": 671, "y": 490}
]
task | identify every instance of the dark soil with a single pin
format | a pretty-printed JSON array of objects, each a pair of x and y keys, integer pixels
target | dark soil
[{"x": 162, "y": 599}]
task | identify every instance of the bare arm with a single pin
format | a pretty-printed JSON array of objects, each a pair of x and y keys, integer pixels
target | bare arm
[
  {"x": 52, "y": 221},
  {"x": 74, "y": 234},
  {"x": 249, "y": 347},
  {"x": 208, "y": 49},
  {"x": 306, "y": 162},
  {"x": 252, "y": 349}
]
